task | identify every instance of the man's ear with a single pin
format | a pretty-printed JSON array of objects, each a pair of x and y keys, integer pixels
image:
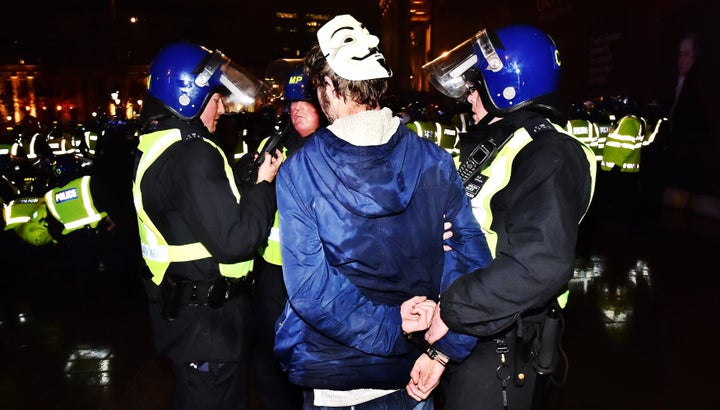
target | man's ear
[{"x": 328, "y": 84}]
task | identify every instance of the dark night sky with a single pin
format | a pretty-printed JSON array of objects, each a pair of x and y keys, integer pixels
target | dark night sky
[{"x": 99, "y": 31}]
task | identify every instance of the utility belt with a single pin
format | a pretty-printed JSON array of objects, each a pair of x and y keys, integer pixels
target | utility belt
[
  {"x": 534, "y": 343},
  {"x": 175, "y": 291}
]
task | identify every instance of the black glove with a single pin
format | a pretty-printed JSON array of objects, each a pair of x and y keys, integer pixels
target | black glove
[{"x": 246, "y": 172}]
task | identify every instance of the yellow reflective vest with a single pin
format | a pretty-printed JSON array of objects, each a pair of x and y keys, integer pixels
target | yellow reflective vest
[
  {"x": 623, "y": 146},
  {"x": 19, "y": 211},
  {"x": 158, "y": 254},
  {"x": 271, "y": 251},
  {"x": 498, "y": 176},
  {"x": 72, "y": 205}
]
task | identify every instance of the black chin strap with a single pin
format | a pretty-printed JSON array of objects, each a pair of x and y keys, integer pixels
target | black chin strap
[{"x": 485, "y": 120}]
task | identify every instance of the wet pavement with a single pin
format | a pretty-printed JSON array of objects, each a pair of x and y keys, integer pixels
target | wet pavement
[{"x": 640, "y": 330}]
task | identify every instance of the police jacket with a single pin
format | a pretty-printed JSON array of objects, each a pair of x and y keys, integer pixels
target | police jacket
[
  {"x": 187, "y": 195},
  {"x": 361, "y": 232},
  {"x": 531, "y": 220}
]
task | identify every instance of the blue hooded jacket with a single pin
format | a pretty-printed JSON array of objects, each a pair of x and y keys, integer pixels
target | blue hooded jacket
[{"x": 361, "y": 232}]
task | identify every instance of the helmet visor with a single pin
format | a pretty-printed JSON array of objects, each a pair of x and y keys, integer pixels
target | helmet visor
[
  {"x": 450, "y": 72},
  {"x": 242, "y": 86}
]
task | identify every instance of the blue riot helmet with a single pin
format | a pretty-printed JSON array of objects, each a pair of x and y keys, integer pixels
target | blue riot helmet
[
  {"x": 298, "y": 87},
  {"x": 512, "y": 68},
  {"x": 183, "y": 77}
]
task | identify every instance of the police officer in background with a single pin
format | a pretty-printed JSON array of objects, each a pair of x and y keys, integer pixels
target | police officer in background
[
  {"x": 198, "y": 234},
  {"x": 530, "y": 184},
  {"x": 275, "y": 391}
]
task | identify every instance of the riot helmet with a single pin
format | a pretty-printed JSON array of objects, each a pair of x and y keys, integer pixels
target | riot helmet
[
  {"x": 298, "y": 87},
  {"x": 183, "y": 76},
  {"x": 512, "y": 68},
  {"x": 67, "y": 167}
]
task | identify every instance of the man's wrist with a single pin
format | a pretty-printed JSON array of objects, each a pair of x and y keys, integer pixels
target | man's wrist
[
  {"x": 437, "y": 355},
  {"x": 418, "y": 340}
]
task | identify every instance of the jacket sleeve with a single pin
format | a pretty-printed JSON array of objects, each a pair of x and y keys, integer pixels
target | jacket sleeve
[
  {"x": 542, "y": 205},
  {"x": 469, "y": 252},
  {"x": 231, "y": 231},
  {"x": 321, "y": 295}
]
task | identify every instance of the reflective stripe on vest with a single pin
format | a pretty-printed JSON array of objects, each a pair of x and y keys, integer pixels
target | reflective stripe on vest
[
  {"x": 91, "y": 141},
  {"x": 650, "y": 136},
  {"x": 19, "y": 211},
  {"x": 31, "y": 147},
  {"x": 271, "y": 252},
  {"x": 73, "y": 206},
  {"x": 158, "y": 254}
]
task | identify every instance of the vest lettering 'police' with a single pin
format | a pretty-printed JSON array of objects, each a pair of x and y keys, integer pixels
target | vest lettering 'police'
[{"x": 66, "y": 195}]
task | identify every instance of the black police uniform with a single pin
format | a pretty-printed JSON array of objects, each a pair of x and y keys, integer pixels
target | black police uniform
[
  {"x": 186, "y": 194},
  {"x": 536, "y": 218},
  {"x": 273, "y": 388}
]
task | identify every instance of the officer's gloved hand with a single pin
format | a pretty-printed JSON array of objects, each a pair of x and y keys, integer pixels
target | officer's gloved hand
[{"x": 246, "y": 171}]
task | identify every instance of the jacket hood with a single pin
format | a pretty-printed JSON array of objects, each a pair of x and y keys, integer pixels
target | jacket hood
[{"x": 369, "y": 167}]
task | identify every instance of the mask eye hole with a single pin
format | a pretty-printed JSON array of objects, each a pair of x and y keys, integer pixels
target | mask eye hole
[{"x": 471, "y": 87}]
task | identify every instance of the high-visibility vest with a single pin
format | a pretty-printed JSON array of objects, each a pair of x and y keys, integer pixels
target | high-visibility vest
[
  {"x": 90, "y": 138},
  {"x": 12, "y": 149},
  {"x": 35, "y": 231},
  {"x": 443, "y": 135},
  {"x": 603, "y": 131},
  {"x": 19, "y": 211},
  {"x": 61, "y": 145},
  {"x": 158, "y": 254},
  {"x": 623, "y": 145},
  {"x": 498, "y": 176},
  {"x": 32, "y": 152},
  {"x": 586, "y": 131},
  {"x": 72, "y": 205},
  {"x": 271, "y": 251},
  {"x": 5, "y": 149}
]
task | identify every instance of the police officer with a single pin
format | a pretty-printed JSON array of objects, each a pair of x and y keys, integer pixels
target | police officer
[
  {"x": 76, "y": 213},
  {"x": 269, "y": 295},
  {"x": 198, "y": 235},
  {"x": 26, "y": 216},
  {"x": 533, "y": 186}
]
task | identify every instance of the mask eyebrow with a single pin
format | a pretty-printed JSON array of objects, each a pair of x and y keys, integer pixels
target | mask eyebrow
[{"x": 339, "y": 29}]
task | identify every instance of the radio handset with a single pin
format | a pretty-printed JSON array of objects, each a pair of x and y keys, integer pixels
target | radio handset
[
  {"x": 273, "y": 143},
  {"x": 470, "y": 169}
]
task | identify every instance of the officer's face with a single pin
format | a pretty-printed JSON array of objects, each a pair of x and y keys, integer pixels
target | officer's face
[
  {"x": 478, "y": 109},
  {"x": 304, "y": 117},
  {"x": 213, "y": 110}
]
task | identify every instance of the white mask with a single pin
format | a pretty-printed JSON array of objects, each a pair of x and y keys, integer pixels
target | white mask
[{"x": 351, "y": 50}]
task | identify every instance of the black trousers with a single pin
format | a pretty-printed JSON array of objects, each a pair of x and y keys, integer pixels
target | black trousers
[
  {"x": 474, "y": 383},
  {"x": 210, "y": 386},
  {"x": 274, "y": 390}
]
